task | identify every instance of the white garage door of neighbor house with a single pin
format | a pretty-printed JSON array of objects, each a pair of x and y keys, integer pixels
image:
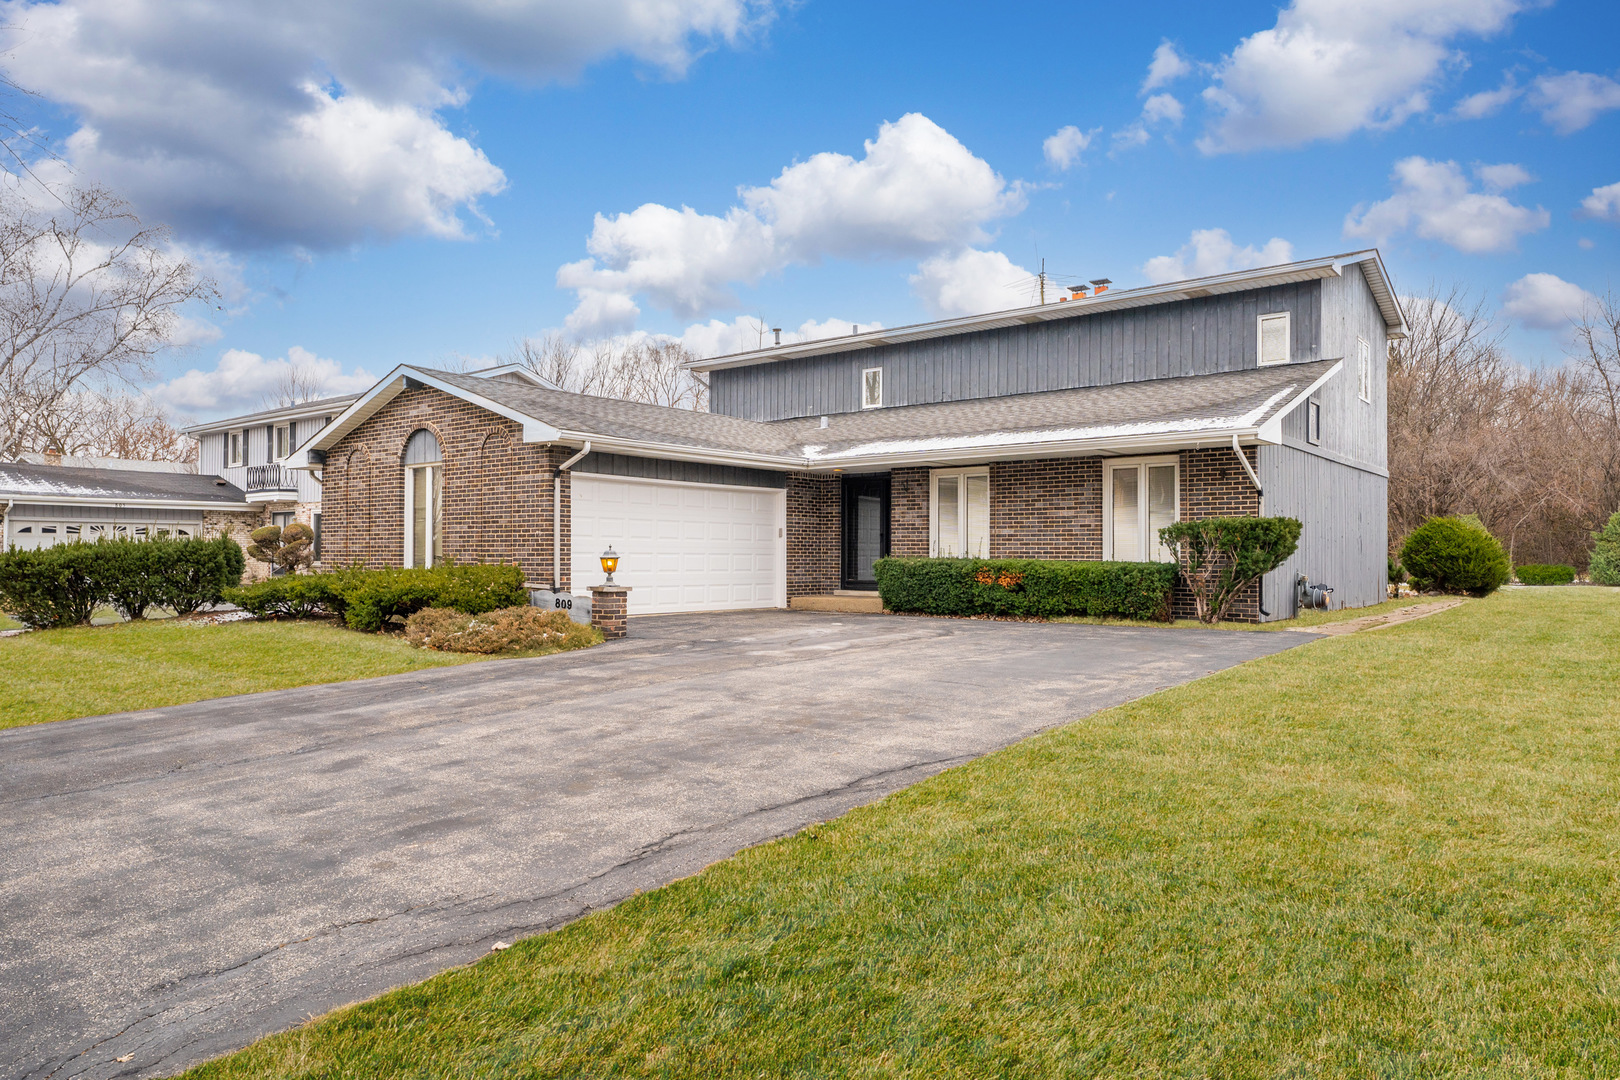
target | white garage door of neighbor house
[{"x": 682, "y": 547}]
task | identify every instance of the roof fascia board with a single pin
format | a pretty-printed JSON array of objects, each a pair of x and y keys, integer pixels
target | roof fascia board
[
  {"x": 1271, "y": 430},
  {"x": 38, "y": 499},
  {"x": 291, "y": 412},
  {"x": 676, "y": 452},
  {"x": 1112, "y": 446},
  {"x": 1383, "y": 290},
  {"x": 1196, "y": 288}
]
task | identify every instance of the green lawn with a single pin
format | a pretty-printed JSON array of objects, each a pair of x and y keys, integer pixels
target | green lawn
[
  {"x": 83, "y": 671},
  {"x": 1391, "y": 854}
]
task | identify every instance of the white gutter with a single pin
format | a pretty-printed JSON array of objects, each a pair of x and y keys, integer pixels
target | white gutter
[
  {"x": 44, "y": 498},
  {"x": 556, "y": 515}
]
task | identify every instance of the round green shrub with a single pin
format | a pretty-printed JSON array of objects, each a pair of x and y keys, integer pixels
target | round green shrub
[
  {"x": 1455, "y": 555},
  {"x": 1542, "y": 574},
  {"x": 1605, "y": 565}
]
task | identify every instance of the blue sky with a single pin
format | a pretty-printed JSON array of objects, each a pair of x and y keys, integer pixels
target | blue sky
[{"x": 409, "y": 193}]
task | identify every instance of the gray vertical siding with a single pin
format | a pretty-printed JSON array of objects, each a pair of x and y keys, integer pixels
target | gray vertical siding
[
  {"x": 1345, "y": 539},
  {"x": 1189, "y": 337},
  {"x": 691, "y": 472}
]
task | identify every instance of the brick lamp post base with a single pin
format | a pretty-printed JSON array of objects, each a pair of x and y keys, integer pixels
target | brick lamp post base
[{"x": 610, "y": 610}]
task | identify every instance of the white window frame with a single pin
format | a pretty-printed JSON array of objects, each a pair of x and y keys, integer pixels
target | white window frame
[
  {"x": 1141, "y": 464},
  {"x": 235, "y": 449},
  {"x": 410, "y": 515},
  {"x": 961, "y": 517},
  {"x": 280, "y": 442},
  {"x": 1313, "y": 422},
  {"x": 866, "y": 374},
  {"x": 1260, "y": 338},
  {"x": 1364, "y": 369}
]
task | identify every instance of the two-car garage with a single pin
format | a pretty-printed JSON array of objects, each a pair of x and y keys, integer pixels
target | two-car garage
[{"x": 682, "y": 546}]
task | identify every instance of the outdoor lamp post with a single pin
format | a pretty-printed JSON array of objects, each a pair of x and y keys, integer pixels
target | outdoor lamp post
[{"x": 610, "y": 563}]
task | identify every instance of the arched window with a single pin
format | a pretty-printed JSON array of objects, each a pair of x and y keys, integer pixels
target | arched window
[{"x": 424, "y": 498}]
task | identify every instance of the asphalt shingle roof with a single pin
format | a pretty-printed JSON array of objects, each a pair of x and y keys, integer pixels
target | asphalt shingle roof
[
  {"x": 1236, "y": 399},
  {"x": 45, "y": 482}
]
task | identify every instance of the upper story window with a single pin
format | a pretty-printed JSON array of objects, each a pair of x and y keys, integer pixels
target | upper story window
[
  {"x": 283, "y": 441},
  {"x": 960, "y": 513},
  {"x": 1313, "y": 422},
  {"x": 872, "y": 388},
  {"x": 1140, "y": 497},
  {"x": 1364, "y": 368},
  {"x": 1274, "y": 338},
  {"x": 233, "y": 448},
  {"x": 424, "y": 500}
]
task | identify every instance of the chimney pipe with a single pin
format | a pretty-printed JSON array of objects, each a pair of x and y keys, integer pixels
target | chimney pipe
[
  {"x": 1099, "y": 286},
  {"x": 777, "y": 330}
]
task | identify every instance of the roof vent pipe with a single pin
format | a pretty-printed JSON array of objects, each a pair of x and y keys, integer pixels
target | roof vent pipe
[
  {"x": 823, "y": 421},
  {"x": 777, "y": 330},
  {"x": 1099, "y": 285}
]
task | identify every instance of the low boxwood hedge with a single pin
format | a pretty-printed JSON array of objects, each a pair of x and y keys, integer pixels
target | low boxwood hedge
[
  {"x": 1544, "y": 574},
  {"x": 369, "y": 599},
  {"x": 1039, "y": 587}
]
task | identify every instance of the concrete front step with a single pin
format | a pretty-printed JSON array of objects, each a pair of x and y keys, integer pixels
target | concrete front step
[{"x": 844, "y": 601}]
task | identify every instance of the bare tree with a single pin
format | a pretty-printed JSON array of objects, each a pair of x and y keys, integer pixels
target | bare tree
[
  {"x": 87, "y": 295},
  {"x": 90, "y": 424},
  {"x": 296, "y": 385},
  {"x": 648, "y": 370}
]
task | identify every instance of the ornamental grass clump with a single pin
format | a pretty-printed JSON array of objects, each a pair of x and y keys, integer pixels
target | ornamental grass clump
[
  {"x": 1455, "y": 555},
  {"x": 512, "y": 629}
]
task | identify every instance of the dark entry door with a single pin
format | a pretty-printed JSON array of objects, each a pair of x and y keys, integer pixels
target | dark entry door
[{"x": 866, "y": 528}]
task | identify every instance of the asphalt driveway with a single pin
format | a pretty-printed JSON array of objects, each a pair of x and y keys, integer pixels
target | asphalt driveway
[{"x": 175, "y": 883}]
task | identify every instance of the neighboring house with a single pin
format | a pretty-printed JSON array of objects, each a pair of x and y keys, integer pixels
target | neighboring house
[
  {"x": 1072, "y": 430},
  {"x": 43, "y": 505}
]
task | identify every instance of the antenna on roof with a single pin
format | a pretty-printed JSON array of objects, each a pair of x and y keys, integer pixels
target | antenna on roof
[{"x": 1043, "y": 281}]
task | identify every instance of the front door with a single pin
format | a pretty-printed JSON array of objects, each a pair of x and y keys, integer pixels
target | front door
[{"x": 866, "y": 528}]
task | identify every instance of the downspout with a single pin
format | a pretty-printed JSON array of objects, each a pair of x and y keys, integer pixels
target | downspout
[
  {"x": 556, "y": 516},
  {"x": 1243, "y": 459},
  {"x": 5, "y": 527}
]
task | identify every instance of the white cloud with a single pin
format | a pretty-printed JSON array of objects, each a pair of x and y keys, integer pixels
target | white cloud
[
  {"x": 1502, "y": 177},
  {"x": 1064, "y": 147},
  {"x": 241, "y": 380},
  {"x": 1434, "y": 199},
  {"x": 1545, "y": 301},
  {"x": 1129, "y": 138},
  {"x": 1332, "y": 67},
  {"x": 1166, "y": 67},
  {"x": 1487, "y": 102},
  {"x": 916, "y": 192},
  {"x": 972, "y": 282},
  {"x": 1162, "y": 107},
  {"x": 317, "y": 125},
  {"x": 1571, "y": 101},
  {"x": 1213, "y": 251},
  {"x": 1603, "y": 204}
]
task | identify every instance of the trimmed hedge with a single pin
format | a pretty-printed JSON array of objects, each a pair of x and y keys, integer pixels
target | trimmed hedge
[
  {"x": 369, "y": 599},
  {"x": 1039, "y": 587},
  {"x": 1543, "y": 574},
  {"x": 1455, "y": 555},
  {"x": 64, "y": 584}
]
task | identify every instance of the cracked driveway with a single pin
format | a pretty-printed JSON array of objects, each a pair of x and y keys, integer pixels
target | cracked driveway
[{"x": 177, "y": 882}]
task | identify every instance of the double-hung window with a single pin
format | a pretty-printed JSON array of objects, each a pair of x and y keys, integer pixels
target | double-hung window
[
  {"x": 233, "y": 448},
  {"x": 424, "y": 500},
  {"x": 1140, "y": 497},
  {"x": 872, "y": 388},
  {"x": 283, "y": 445},
  {"x": 959, "y": 517}
]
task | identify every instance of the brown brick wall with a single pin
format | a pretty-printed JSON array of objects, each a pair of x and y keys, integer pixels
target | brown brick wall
[
  {"x": 908, "y": 512},
  {"x": 1213, "y": 484},
  {"x": 497, "y": 489},
  {"x": 1046, "y": 509},
  {"x": 813, "y": 516}
]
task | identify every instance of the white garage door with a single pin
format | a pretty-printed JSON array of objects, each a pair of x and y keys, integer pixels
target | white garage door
[{"x": 682, "y": 547}]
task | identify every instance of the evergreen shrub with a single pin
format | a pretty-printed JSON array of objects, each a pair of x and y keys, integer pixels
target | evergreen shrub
[
  {"x": 1221, "y": 556},
  {"x": 1605, "y": 565},
  {"x": 1038, "y": 587},
  {"x": 1455, "y": 555},
  {"x": 1541, "y": 574},
  {"x": 370, "y": 599},
  {"x": 64, "y": 584}
]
